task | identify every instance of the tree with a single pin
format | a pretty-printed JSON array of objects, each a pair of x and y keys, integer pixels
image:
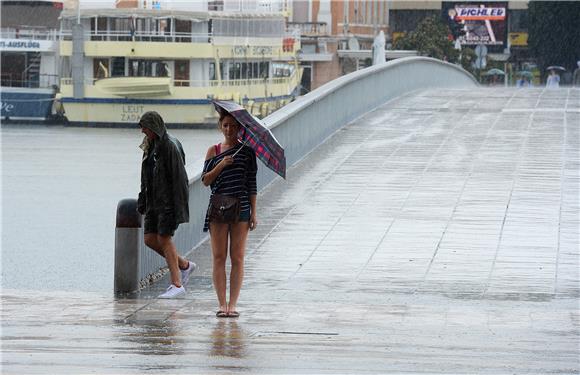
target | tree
[
  {"x": 430, "y": 38},
  {"x": 553, "y": 33}
]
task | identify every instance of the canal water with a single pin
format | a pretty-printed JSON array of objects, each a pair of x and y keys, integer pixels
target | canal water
[{"x": 60, "y": 189}]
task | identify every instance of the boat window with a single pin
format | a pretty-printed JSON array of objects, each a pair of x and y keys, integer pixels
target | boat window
[
  {"x": 256, "y": 69},
  {"x": 212, "y": 72},
  {"x": 98, "y": 28},
  {"x": 148, "y": 68},
  {"x": 282, "y": 69},
  {"x": 65, "y": 67},
  {"x": 101, "y": 68},
  {"x": 244, "y": 71},
  {"x": 245, "y": 27},
  {"x": 264, "y": 70},
  {"x": 13, "y": 67},
  {"x": 121, "y": 28},
  {"x": 183, "y": 30},
  {"x": 118, "y": 67},
  {"x": 235, "y": 70},
  {"x": 181, "y": 73}
]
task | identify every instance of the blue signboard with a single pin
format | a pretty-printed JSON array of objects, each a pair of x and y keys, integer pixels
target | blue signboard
[{"x": 24, "y": 104}]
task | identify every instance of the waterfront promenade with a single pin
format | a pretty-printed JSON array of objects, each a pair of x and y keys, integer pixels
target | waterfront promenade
[{"x": 436, "y": 234}]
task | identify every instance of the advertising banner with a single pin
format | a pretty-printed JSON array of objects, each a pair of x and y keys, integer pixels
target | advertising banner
[
  {"x": 482, "y": 22},
  {"x": 518, "y": 39},
  {"x": 26, "y": 45}
]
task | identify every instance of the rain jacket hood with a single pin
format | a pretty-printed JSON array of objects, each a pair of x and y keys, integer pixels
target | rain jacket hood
[{"x": 152, "y": 120}]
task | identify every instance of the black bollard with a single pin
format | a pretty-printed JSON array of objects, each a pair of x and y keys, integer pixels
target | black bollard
[{"x": 127, "y": 243}]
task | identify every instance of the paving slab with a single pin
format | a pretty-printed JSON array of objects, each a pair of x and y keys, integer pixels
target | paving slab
[{"x": 436, "y": 234}]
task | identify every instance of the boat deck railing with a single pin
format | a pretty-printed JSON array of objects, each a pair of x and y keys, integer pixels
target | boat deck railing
[
  {"x": 208, "y": 83},
  {"x": 42, "y": 81},
  {"x": 29, "y": 33},
  {"x": 141, "y": 36},
  {"x": 165, "y": 37}
]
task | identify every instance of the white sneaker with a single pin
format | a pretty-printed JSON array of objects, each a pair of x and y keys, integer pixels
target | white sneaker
[
  {"x": 173, "y": 292},
  {"x": 185, "y": 274}
]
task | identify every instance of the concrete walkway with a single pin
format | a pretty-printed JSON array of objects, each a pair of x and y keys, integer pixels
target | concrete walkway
[{"x": 437, "y": 234}]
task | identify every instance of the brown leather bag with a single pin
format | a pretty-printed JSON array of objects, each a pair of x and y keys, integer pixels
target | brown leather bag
[{"x": 224, "y": 209}]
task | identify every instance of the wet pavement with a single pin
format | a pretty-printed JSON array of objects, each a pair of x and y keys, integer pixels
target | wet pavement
[{"x": 437, "y": 234}]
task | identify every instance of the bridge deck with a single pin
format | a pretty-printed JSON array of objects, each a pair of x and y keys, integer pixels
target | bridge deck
[{"x": 437, "y": 234}]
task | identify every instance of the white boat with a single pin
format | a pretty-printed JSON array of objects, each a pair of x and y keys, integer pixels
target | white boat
[
  {"x": 29, "y": 67},
  {"x": 119, "y": 63}
]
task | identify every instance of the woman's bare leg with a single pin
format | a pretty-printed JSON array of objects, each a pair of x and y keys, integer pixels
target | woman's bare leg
[
  {"x": 219, "y": 250},
  {"x": 238, "y": 236}
]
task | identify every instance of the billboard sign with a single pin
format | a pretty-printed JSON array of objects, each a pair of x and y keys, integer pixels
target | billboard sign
[
  {"x": 483, "y": 23},
  {"x": 26, "y": 45}
]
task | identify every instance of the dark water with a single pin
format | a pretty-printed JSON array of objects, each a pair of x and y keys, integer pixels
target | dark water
[{"x": 60, "y": 189}]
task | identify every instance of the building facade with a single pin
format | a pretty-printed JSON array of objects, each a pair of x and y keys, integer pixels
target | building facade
[
  {"x": 329, "y": 27},
  {"x": 337, "y": 35}
]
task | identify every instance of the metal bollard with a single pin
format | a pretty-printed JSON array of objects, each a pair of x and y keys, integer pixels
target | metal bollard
[{"x": 127, "y": 242}]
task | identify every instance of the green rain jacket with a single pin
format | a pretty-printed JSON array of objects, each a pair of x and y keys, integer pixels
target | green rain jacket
[{"x": 164, "y": 182}]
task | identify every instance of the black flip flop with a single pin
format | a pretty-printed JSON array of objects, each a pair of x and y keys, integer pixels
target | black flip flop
[
  {"x": 233, "y": 314},
  {"x": 221, "y": 314}
]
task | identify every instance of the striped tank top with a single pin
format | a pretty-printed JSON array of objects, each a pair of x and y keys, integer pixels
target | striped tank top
[{"x": 237, "y": 179}]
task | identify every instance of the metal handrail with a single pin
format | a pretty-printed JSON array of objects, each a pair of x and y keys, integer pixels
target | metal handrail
[
  {"x": 48, "y": 80},
  {"x": 140, "y": 36},
  {"x": 149, "y": 36},
  {"x": 209, "y": 83}
]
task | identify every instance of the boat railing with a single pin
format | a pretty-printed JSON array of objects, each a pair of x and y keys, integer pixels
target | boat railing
[
  {"x": 39, "y": 81},
  {"x": 207, "y": 83},
  {"x": 141, "y": 36},
  {"x": 29, "y": 33},
  {"x": 232, "y": 82}
]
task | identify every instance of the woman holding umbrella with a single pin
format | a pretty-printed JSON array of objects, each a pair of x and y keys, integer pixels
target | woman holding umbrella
[
  {"x": 553, "y": 80},
  {"x": 230, "y": 169}
]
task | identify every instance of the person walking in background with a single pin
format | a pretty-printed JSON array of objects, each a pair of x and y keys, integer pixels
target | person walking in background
[
  {"x": 230, "y": 169},
  {"x": 553, "y": 80},
  {"x": 576, "y": 77},
  {"x": 164, "y": 198}
]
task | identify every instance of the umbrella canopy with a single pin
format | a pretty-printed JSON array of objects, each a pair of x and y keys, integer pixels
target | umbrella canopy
[
  {"x": 556, "y": 67},
  {"x": 525, "y": 73},
  {"x": 254, "y": 134},
  {"x": 494, "y": 72}
]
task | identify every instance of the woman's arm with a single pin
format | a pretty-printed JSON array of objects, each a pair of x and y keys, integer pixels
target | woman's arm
[{"x": 209, "y": 177}]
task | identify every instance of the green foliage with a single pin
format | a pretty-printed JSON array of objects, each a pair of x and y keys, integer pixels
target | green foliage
[
  {"x": 430, "y": 38},
  {"x": 554, "y": 35}
]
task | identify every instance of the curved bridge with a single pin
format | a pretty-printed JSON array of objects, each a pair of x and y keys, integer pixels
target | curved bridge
[{"x": 300, "y": 127}]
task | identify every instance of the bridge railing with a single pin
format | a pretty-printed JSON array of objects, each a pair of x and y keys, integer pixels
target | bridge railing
[{"x": 300, "y": 127}]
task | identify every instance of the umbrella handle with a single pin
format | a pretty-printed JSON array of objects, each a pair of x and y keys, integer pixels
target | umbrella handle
[
  {"x": 243, "y": 144},
  {"x": 239, "y": 149}
]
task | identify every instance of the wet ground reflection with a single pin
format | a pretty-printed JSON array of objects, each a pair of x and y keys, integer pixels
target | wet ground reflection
[
  {"x": 228, "y": 339},
  {"x": 154, "y": 337}
]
